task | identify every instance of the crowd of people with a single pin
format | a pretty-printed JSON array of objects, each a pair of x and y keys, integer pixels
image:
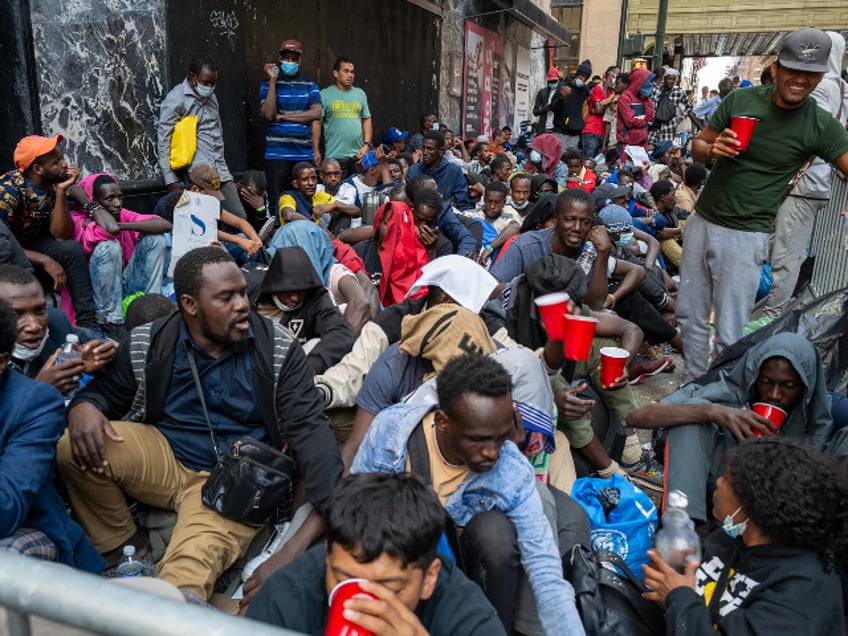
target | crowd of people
[{"x": 370, "y": 309}]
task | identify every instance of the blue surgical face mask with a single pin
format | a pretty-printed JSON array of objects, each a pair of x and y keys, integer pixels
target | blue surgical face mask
[
  {"x": 522, "y": 206},
  {"x": 536, "y": 157},
  {"x": 435, "y": 126},
  {"x": 578, "y": 83},
  {"x": 289, "y": 68},
  {"x": 204, "y": 91},
  {"x": 624, "y": 238},
  {"x": 553, "y": 85},
  {"x": 734, "y": 530}
]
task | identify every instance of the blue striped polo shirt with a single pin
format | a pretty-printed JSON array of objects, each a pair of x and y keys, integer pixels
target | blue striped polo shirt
[{"x": 288, "y": 140}]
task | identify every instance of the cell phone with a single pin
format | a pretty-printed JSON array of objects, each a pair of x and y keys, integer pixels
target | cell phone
[
  {"x": 275, "y": 70},
  {"x": 386, "y": 149}
]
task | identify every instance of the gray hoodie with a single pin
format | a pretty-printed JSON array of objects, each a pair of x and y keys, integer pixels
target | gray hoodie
[
  {"x": 809, "y": 421},
  {"x": 832, "y": 95}
]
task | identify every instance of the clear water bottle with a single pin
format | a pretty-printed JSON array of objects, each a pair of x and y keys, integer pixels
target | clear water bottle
[
  {"x": 70, "y": 350},
  {"x": 129, "y": 565},
  {"x": 677, "y": 542}
]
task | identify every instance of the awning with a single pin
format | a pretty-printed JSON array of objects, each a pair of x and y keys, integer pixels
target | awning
[{"x": 526, "y": 12}]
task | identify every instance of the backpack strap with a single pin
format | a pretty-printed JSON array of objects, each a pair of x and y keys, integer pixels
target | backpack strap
[{"x": 419, "y": 457}]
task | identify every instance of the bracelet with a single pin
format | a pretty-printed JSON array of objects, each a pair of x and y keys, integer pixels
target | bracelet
[
  {"x": 90, "y": 208},
  {"x": 488, "y": 247},
  {"x": 611, "y": 298},
  {"x": 261, "y": 208},
  {"x": 368, "y": 143}
]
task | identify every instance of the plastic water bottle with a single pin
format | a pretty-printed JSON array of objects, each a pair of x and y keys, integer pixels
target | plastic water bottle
[
  {"x": 129, "y": 565},
  {"x": 70, "y": 350},
  {"x": 677, "y": 542}
]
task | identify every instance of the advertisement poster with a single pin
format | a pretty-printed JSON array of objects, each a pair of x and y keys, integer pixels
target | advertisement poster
[
  {"x": 479, "y": 90},
  {"x": 506, "y": 107},
  {"x": 522, "y": 87}
]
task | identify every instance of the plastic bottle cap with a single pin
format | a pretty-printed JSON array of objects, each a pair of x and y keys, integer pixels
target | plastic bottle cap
[
  {"x": 678, "y": 499},
  {"x": 72, "y": 338},
  {"x": 129, "y": 550}
]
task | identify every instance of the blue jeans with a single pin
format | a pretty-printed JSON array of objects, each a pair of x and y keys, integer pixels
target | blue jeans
[
  {"x": 111, "y": 282},
  {"x": 591, "y": 145}
]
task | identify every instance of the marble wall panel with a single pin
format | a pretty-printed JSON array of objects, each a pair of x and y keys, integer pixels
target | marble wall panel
[{"x": 101, "y": 70}]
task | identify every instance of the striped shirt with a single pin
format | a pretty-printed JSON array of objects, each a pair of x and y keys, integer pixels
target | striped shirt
[{"x": 289, "y": 140}]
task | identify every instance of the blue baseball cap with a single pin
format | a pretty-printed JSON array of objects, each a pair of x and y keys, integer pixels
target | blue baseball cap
[
  {"x": 369, "y": 160},
  {"x": 394, "y": 134}
]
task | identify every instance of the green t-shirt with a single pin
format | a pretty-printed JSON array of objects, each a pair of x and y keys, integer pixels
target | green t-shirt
[
  {"x": 343, "y": 115},
  {"x": 743, "y": 193}
]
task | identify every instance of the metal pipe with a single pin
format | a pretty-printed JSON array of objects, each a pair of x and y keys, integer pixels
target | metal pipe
[
  {"x": 86, "y": 601},
  {"x": 622, "y": 32},
  {"x": 18, "y": 623},
  {"x": 659, "y": 43}
]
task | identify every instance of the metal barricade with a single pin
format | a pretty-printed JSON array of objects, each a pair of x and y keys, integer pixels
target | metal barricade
[
  {"x": 30, "y": 586},
  {"x": 830, "y": 242}
]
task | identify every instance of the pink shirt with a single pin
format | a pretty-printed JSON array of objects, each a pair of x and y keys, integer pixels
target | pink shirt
[{"x": 92, "y": 234}]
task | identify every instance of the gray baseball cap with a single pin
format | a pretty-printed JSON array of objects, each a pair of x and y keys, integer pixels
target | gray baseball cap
[{"x": 806, "y": 49}]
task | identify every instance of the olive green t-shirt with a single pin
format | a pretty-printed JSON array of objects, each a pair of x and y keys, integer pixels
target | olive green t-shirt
[{"x": 743, "y": 193}]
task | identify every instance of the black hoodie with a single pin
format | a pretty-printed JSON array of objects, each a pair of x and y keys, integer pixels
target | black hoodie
[
  {"x": 316, "y": 317},
  {"x": 773, "y": 590}
]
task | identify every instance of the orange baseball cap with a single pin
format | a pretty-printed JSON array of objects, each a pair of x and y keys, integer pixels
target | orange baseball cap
[{"x": 31, "y": 148}]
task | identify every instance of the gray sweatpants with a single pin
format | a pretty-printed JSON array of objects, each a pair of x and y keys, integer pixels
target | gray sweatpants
[
  {"x": 792, "y": 229},
  {"x": 720, "y": 268},
  {"x": 696, "y": 455}
]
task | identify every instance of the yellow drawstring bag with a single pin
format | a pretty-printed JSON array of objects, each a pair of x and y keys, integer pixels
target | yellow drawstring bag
[{"x": 184, "y": 142}]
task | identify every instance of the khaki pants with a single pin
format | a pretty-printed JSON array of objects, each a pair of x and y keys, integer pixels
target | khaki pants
[{"x": 203, "y": 545}]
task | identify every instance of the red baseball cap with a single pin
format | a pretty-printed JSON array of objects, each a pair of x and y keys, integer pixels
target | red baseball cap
[
  {"x": 553, "y": 74},
  {"x": 292, "y": 45},
  {"x": 31, "y": 148}
]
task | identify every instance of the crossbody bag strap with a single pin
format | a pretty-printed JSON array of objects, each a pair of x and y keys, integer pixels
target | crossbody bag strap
[
  {"x": 199, "y": 387},
  {"x": 721, "y": 586}
]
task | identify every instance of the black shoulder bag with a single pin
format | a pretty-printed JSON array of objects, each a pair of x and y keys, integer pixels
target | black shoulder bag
[
  {"x": 610, "y": 603},
  {"x": 253, "y": 481}
]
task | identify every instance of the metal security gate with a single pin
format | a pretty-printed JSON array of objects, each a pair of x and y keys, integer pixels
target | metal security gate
[{"x": 830, "y": 242}]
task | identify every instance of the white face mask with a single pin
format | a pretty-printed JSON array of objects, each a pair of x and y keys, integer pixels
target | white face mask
[
  {"x": 734, "y": 530},
  {"x": 536, "y": 157},
  {"x": 282, "y": 306},
  {"x": 20, "y": 352}
]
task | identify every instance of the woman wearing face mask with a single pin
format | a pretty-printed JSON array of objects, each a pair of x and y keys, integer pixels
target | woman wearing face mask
[
  {"x": 769, "y": 569},
  {"x": 195, "y": 95}
]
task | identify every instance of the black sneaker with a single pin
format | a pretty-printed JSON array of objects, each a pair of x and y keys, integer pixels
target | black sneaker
[{"x": 648, "y": 471}]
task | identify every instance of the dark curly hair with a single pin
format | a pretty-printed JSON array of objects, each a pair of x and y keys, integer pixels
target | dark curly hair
[
  {"x": 471, "y": 373},
  {"x": 796, "y": 495}
]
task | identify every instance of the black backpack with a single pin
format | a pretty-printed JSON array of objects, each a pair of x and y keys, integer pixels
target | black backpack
[
  {"x": 610, "y": 603},
  {"x": 666, "y": 110}
]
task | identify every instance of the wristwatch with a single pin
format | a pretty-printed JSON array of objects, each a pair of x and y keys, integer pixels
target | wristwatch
[{"x": 91, "y": 207}]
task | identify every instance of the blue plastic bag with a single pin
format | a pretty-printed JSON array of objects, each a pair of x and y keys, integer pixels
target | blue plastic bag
[
  {"x": 626, "y": 527},
  {"x": 765, "y": 282}
]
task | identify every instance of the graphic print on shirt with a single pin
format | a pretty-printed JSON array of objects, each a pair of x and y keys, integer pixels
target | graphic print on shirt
[{"x": 739, "y": 586}]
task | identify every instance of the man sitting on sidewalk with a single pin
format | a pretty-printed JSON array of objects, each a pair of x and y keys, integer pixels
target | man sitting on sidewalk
[{"x": 384, "y": 529}]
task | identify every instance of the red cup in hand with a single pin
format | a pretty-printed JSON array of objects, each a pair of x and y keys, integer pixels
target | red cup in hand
[
  {"x": 613, "y": 360},
  {"x": 744, "y": 128},
  {"x": 337, "y": 624},
  {"x": 579, "y": 331},
  {"x": 773, "y": 414},
  {"x": 552, "y": 308}
]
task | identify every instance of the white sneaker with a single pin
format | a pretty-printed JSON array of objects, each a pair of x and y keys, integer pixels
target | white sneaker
[{"x": 282, "y": 533}]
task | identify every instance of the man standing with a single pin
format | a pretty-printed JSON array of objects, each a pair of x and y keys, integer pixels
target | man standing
[
  {"x": 347, "y": 120},
  {"x": 448, "y": 177},
  {"x": 542, "y": 105},
  {"x": 670, "y": 105},
  {"x": 255, "y": 382},
  {"x": 727, "y": 240},
  {"x": 195, "y": 95},
  {"x": 602, "y": 99},
  {"x": 290, "y": 103},
  {"x": 797, "y": 214},
  {"x": 34, "y": 207},
  {"x": 568, "y": 107}
]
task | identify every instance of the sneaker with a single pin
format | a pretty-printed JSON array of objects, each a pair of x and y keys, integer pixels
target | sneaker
[
  {"x": 647, "y": 470},
  {"x": 266, "y": 230},
  {"x": 642, "y": 368}
]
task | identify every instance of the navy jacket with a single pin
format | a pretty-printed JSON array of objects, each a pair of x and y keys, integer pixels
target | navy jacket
[
  {"x": 451, "y": 182},
  {"x": 32, "y": 419}
]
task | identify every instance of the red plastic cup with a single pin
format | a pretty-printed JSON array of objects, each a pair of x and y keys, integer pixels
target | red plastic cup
[
  {"x": 773, "y": 414},
  {"x": 744, "y": 128},
  {"x": 552, "y": 308},
  {"x": 579, "y": 331},
  {"x": 613, "y": 360},
  {"x": 337, "y": 624}
]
